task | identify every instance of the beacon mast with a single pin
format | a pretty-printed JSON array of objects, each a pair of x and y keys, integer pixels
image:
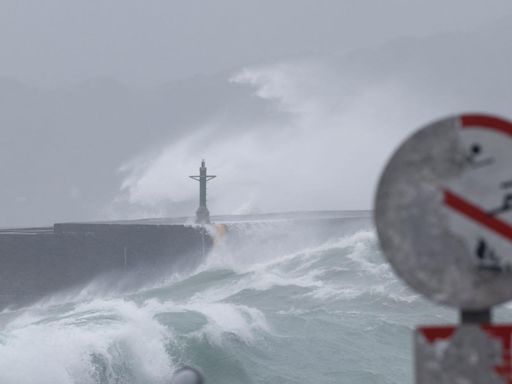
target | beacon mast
[{"x": 202, "y": 213}]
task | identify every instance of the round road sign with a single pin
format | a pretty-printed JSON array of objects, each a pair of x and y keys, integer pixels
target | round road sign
[{"x": 444, "y": 211}]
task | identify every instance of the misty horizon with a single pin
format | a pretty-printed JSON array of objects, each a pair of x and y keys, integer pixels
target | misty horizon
[{"x": 288, "y": 125}]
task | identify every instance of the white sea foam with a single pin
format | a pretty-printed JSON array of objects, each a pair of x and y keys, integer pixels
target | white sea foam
[
  {"x": 295, "y": 269},
  {"x": 66, "y": 347},
  {"x": 222, "y": 319},
  {"x": 228, "y": 319},
  {"x": 267, "y": 306}
]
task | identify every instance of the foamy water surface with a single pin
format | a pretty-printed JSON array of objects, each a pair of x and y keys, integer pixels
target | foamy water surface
[{"x": 325, "y": 310}]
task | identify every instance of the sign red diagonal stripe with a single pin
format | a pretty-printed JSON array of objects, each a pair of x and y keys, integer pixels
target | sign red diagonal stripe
[{"x": 475, "y": 213}]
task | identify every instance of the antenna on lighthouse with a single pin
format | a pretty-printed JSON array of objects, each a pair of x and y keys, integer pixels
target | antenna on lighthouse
[{"x": 202, "y": 213}]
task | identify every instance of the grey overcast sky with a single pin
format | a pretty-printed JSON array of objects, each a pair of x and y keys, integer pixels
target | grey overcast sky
[
  {"x": 106, "y": 106},
  {"x": 55, "y": 42}
]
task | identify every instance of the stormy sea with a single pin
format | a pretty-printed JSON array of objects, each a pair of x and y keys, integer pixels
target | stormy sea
[{"x": 271, "y": 303}]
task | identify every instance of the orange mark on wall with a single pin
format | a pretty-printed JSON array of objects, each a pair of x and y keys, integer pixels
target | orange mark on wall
[{"x": 220, "y": 234}]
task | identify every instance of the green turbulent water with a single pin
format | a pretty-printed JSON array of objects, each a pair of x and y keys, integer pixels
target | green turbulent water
[{"x": 281, "y": 308}]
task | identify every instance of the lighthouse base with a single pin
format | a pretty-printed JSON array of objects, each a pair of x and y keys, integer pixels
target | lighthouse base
[{"x": 202, "y": 215}]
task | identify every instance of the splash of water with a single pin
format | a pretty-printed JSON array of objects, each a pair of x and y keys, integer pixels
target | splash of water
[{"x": 322, "y": 308}]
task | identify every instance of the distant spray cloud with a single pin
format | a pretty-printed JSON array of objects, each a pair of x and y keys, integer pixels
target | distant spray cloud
[
  {"x": 324, "y": 154},
  {"x": 307, "y": 131},
  {"x": 329, "y": 125}
]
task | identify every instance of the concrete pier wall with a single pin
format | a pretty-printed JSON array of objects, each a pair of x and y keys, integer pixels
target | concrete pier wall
[{"x": 37, "y": 262}]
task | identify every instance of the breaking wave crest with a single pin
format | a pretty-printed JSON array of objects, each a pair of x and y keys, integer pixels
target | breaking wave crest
[{"x": 272, "y": 305}]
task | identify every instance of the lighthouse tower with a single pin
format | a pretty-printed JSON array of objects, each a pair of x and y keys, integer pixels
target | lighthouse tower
[{"x": 202, "y": 214}]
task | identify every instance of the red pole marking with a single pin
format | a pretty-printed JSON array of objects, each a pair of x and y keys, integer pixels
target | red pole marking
[
  {"x": 475, "y": 213},
  {"x": 501, "y": 332},
  {"x": 488, "y": 122},
  {"x": 435, "y": 333},
  {"x": 504, "y": 334}
]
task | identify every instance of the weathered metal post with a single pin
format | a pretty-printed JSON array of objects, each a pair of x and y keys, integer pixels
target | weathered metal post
[{"x": 483, "y": 316}]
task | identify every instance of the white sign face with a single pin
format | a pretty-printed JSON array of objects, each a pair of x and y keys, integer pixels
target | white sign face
[{"x": 444, "y": 211}]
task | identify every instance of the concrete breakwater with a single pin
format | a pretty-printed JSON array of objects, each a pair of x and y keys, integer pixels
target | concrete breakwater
[{"x": 35, "y": 262}]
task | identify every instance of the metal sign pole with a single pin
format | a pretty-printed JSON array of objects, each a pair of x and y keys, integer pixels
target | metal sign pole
[{"x": 481, "y": 316}]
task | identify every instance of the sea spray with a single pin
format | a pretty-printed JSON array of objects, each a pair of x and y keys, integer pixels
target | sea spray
[{"x": 276, "y": 305}]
